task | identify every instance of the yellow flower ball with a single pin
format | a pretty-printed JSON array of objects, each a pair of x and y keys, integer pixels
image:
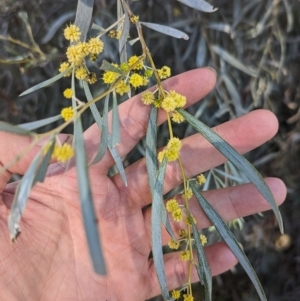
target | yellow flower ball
[
  {"x": 72, "y": 33},
  {"x": 68, "y": 93}
]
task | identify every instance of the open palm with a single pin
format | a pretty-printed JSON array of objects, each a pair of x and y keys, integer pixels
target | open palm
[{"x": 50, "y": 260}]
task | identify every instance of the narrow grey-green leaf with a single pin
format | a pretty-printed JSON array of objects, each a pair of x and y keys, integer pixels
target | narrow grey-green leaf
[
  {"x": 103, "y": 142},
  {"x": 125, "y": 33},
  {"x": 132, "y": 42},
  {"x": 158, "y": 257},
  {"x": 21, "y": 197},
  {"x": 46, "y": 82},
  {"x": 167, "y": 30},
  {"x": 229, "y": 238},
  {"x": 199, "y": 5},
  {"x": 39, "y": 123},
  {"x": 238, "y": 160},
  {"x": 115, "y": 135},
  {"x": 152, "y": 164},
  {"x": 83, "y": 17},
  {"x": 86, "y": 201},
  {"x": 98, "y": 27},
  {"x": 9, "y": 128},
  {"x": 203, "y": 268},
  {"x": 230, "y": 59},
  {"x": 43, "y": 167},
  {"x": 109, "y": 67}
]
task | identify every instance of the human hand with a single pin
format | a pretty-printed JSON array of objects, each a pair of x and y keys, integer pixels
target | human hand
[{"x": 50, "y": 260}]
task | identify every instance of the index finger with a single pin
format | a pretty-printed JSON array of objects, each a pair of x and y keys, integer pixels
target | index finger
[{"x": 194, "y": 84}]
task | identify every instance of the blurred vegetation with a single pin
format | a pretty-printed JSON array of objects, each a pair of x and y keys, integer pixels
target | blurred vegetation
[{"x": 255, "y": 47}]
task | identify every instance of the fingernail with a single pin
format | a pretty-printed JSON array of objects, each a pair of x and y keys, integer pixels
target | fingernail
[{"x": 212, "y": 69}]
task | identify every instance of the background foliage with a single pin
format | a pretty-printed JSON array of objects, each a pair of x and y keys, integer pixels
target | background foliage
[{"x": 255, "y": 47}]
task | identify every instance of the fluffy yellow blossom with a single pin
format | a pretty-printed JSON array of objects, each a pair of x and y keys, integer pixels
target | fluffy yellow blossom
[
  {"x": 134, "y": 19},
  {"x": 169, "y": 104},
  {"x": 122, "y": 87},
  {"x": 68, "y": 93},
  {"x": 185, "y": 255},
  {"x": 91, "y": 78},
  {"x": 136, "y": 80},
  {"x": 63, "y": 67},
  {"x": 164, "y": 72},
  {"x": 175, "y": 144},
  {"x": 172, "y": 205},
  {"x": 95, "y": 46},
  {"x": 173, "y": 148},
  {"x": 203, "y": 239},
  {"x": 177, "y": 215},
  {"x": 147, "y": 97},
  {"x": 201, "y": 179},
  {"x": 177, "y": 117},
  {"x": 115, "y": 34},
  {"x": 75, "y": 55},
  {"x": 173, "y": 244},
  {"x": 188, "y": 194},
  {"x": 161, "y": 155},
  {"x": 81, "y": 73},
  {"x": 157, "y": 103},
  {"x": 67, "y": 113},
  {"x": 134, "y": 61},
  {"x": 172, "y": 155},
  {"x": 83, "y": 47},
  {"x": 188, "y": 297},
  {"x": 72, "y": 33},
  {"x": 63, "y": 153},
  {"x": 179, "y": 99},
  {"x": 175, "y": 294},
  {"x": 109, "y": 77}
]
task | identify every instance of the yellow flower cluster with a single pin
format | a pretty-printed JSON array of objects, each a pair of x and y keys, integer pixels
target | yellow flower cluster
[
  {"x": 115, "y": 34},
  {"x": 134, "y": 19},
  {"x": 72, "y": 33},
  {"x": 172, "y": 150},
  {"x": 78, "y": 51},
  {"x": 177, "y": 117},
  {"x": 63, "y": 67},
  {"x": 67, "y": 113},
  {"x": 203, "y": 239},
  {"x": 130, "y": 78},
  {"x": 172, "y": 206},
  {"x": 175, "y": 294},
  {"x": 188, "y": 297},
  {"x": 164, "y": 72},
  {"x": 201, "y": 179},
  {"x": 173, "y": 101},
  {"x": 185, "y": 255},
  {"x": 187, "y": 194},
  {"x": 173, "y": 244},
  {"x": 68, "y": 93},
  {"x": 63, "y": 153},
  {"x": 147, "y": 97},
  {"x": 188, "y": 221}
]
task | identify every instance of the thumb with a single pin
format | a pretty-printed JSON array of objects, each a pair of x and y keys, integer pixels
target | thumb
[{"x": 13, "y": 154}]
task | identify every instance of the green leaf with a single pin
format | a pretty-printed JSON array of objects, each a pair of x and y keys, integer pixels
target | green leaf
[
  {"x": 203, "y": 268},
  {"x": 158, "y": 257},
  {"x": 199, "y": 5},
  {"x": 125, "y": 33},
  {"x": 238, "y": 160},
  {"x": 115, "y": 121},
  {"x": 46, "y": 82},
  {"x": 83, "y": 17},
  {"x": 86, "y": 200},
  {"x": 109, "y": 67},
  {"x": 103, "y": 142},
  {"x": 152, "y": 164},
  {"x": 9, "y": 128},
  {"x": 230, "y": 59},
  {"x": 39, "y": 123},
  {"x": 167, "y": 30},
  {"x": 98, "y": 27},
  {"x": 229, "y": 238},
  {"x": 21, "y": 197},
  {"x": 42, "y": 169}
]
